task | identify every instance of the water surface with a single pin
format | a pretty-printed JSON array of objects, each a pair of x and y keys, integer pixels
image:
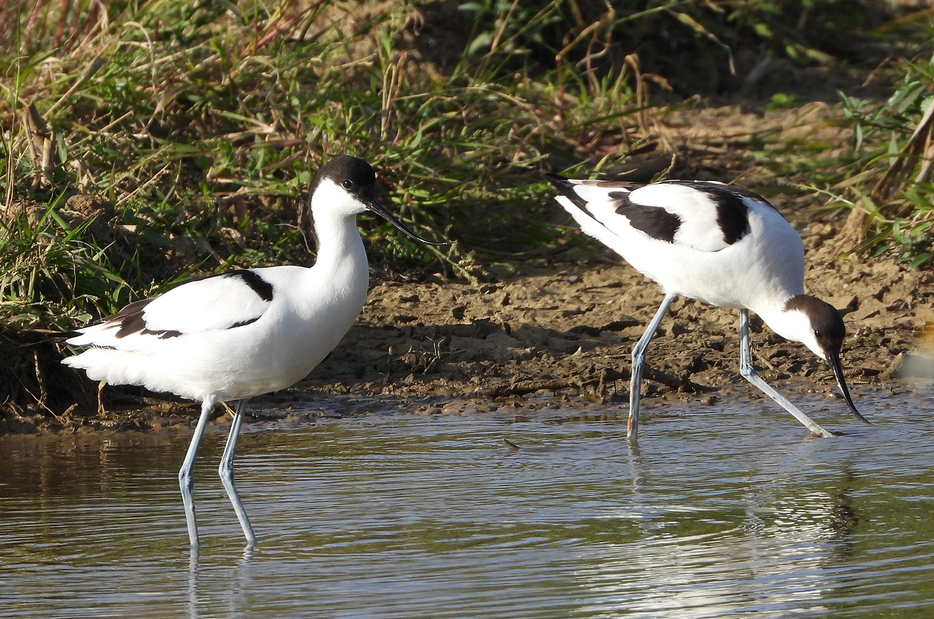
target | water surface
[{"x": 724, "y": 510}]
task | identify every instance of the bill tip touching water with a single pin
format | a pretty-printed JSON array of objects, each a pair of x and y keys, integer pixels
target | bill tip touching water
[
  {"x": 718, "y": 243},
  {"x": 248, "y": 332}
]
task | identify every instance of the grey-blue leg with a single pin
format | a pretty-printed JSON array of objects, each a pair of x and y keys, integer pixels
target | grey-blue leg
[
  {"x": 749, "y": 373},
  {"x": 225, "y": 470},
  {"x": 638, "y": 360},
  {"x": 185, "y": 480}
]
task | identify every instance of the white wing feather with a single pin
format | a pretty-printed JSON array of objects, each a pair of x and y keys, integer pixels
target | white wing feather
[
  {"x": 696, "y": 210},
  {"x": 205, "y": 305},
  {"x": 215, "y": 303}
]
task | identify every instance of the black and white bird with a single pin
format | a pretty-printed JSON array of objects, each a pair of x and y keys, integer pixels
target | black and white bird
[
  {"x": 718, "y": 243},
  {"x": 245, "y": 333}
]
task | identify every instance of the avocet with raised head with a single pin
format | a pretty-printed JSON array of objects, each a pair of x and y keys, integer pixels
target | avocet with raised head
[{"x": 245, "y": 333}]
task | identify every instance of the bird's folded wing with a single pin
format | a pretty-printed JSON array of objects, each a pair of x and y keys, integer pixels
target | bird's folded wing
[
  {"x": 704, "y": 216},
  {"x": 216, "y": 303}
]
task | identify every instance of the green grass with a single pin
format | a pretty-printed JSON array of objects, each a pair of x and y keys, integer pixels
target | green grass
[
  {"x": 49, "y": 269},
  {"x": 203, "y": 123},
  {"x": 891, "y": 194}
]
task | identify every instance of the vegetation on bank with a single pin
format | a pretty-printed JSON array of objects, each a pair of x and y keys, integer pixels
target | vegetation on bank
[
  {"x": 891, "y": 193},
  {"x": 143, "y": 140}
]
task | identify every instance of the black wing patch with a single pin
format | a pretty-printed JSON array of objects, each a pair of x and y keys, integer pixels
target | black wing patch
[
  {"x": 611, "y": 184},
  {"x": 656, "y": 222},
  {"x": 131, "y": 321},
  {"x": 130, "y": 318},
  {"x": 243, "y": 323},
  {"x": 652, "y": 220},
  {"x": 566, "y": 188},
  {"x": 732, "y": 211},
  {"x": 257, "y": 284}
]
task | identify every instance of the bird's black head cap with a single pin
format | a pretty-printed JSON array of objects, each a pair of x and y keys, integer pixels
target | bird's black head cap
[{"x": 352, "y": 173}]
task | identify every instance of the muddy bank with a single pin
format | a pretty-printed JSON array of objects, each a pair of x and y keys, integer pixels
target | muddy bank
[
  {"x": 570, "y": 327},
  {"x": 559, "y": 328},
  {"x": 558, "y": 332}
]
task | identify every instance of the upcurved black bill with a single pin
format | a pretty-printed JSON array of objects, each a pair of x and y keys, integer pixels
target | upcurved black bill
[
  {"x": 378, "y": 208},
  {"x": 833, "y": 359}
]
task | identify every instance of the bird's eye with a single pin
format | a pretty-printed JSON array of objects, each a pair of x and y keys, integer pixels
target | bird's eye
[{"x": 346, "y": 183}]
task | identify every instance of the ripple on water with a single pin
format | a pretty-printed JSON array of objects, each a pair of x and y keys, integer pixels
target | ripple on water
[{"x": 721, "y": 511}]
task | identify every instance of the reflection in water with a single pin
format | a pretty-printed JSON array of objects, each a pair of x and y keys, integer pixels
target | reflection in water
[
  {"x": 773, "y": 561},
  {"x": 401, "y": 516},
  {"x": 774, "y": 557},
  {"x": 239, "y": 583}
]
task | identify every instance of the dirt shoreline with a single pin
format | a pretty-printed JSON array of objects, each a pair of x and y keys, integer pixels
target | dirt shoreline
[
  {"x": 560, "y": 335},
  {"x": 570, "y": 327},
  {"x": 559, "y": 328}
]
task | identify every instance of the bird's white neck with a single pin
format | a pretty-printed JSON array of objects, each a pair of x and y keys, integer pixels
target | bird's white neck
[
  {"x": 341, "y": 273},
  {"x": 335, "y": 224},
  {"x": 338, "y": 239}
]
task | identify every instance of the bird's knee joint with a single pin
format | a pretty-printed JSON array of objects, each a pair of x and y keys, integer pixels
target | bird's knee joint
[{"x": 186, "y": 479}]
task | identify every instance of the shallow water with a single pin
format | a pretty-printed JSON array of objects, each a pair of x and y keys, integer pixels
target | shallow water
[{"x": 437, "y": 516}]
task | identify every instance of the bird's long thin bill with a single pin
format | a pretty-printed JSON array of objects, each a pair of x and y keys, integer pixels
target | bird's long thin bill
[
  {"x": 377, "y": 208},
  {"x": 834, "y": 361}
]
